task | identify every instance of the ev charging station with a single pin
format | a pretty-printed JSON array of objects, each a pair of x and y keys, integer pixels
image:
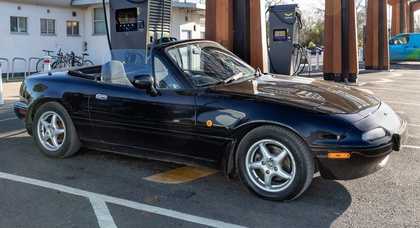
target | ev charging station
[
  {"x": 285, "y": 25},
  {"x": 138, "y": 24}
]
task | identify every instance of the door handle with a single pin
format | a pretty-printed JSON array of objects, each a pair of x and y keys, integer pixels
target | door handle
[{"x": 101, "y": 96}]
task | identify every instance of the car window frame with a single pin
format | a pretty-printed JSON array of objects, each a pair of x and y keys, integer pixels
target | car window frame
[{"x": 172, "y": 69}]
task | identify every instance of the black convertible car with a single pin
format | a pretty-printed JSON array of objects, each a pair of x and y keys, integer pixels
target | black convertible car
[{"x": 193, "y": 102}]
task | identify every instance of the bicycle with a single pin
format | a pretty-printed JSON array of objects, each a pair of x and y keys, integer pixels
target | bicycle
[
  {"x": 63, "y": 61},
  {"x": 82, "y": 61},
  {"x": 40, "y": 63}
]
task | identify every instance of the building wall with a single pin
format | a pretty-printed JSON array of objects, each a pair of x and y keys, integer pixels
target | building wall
[
  {"x": 180, "y": 23},
  {"x": 97, "y": 45},
  {"x": 31, "y": 44}
]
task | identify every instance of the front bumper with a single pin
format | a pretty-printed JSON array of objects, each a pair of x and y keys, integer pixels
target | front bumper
[{"x": 363, "y": 161}]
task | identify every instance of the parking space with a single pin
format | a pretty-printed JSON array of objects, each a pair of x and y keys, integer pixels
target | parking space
[{"x": 96, "y": 189}]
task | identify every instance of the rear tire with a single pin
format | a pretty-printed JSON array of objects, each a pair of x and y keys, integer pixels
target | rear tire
[
  {"x": 88, "y": 63},
  {"x": 39, "y": 65},
  {"x": 274, "y": 163},
  {"x": 54, "y": 131}
]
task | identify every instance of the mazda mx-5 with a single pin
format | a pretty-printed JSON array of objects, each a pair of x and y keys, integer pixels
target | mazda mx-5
[{"x": 193, "y": 102}]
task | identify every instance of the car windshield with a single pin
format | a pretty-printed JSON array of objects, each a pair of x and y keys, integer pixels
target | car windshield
[{"x": 207, "y": 64}]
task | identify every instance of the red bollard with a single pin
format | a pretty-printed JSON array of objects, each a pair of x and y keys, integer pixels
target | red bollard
[{"x": 47, "y": 63}]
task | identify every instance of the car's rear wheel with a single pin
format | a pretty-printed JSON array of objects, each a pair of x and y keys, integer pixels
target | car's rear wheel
[
  {"x": 274, "y": 163},
  {"x": 54, "y": 131}
]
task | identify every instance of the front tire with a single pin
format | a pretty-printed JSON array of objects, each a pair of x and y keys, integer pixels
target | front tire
[
  {"x": 88, "y": 63},
  {"x": 274, "y": 163},
  {"x": 54, "y": 131}
]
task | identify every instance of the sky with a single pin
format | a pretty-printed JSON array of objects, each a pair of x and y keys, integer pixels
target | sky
[{"x": 306, "y": 4}]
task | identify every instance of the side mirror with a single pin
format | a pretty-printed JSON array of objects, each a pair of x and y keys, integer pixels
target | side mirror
[{"x": 145, "y": 81}]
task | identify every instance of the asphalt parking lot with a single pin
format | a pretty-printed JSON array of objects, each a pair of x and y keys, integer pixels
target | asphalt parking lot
[{"x": 96, "y": 189}]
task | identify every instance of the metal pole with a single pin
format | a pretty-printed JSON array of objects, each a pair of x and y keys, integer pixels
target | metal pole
[
  {"x": 309, "y": 54},
  {"x": 1, "y": 87}
]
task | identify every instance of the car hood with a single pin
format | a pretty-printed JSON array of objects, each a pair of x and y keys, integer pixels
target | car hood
[{"x": 306, "y": 93}]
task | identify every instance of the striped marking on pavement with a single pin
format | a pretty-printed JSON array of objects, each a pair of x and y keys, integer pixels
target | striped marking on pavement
[
  {"x": 4, "y": 120},
  {"x": 100, "y": 208},
  {"x": 412, "y": 147},
  {"x": 402, "y": 103},
  {"x": 181, "y": 175},
  {"x": 390, "y": 89}
]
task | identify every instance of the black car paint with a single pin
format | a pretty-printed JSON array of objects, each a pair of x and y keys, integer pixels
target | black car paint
[{"x": 173, "y": 126}]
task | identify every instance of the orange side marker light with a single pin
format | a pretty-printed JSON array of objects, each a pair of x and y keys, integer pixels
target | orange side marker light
[
  {"x": 209, "y": 123},
  {"x": 339, "y": 155}
]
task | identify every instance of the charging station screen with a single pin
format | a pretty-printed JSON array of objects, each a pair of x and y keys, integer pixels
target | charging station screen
[
  {"x": 126, "y": 19},
  {"x": 280, "y": 35}
]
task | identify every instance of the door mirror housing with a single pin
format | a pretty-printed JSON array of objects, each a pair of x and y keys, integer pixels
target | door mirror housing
[{"x": 145, "y": 81}]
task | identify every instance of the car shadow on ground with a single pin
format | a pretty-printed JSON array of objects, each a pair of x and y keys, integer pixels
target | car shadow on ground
[{"x": 322, "y": 203}]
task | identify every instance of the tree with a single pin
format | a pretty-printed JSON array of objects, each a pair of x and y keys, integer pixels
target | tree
[
  {"x": 269, "y": 3},
  {"x": 312, "y": 27},
  {"x": 314, "y": 22}
]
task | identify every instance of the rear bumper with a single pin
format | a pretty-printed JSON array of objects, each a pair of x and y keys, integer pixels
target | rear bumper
[
  {"x": 21, "y": 110},
  {"x": 362, "y": 161}
]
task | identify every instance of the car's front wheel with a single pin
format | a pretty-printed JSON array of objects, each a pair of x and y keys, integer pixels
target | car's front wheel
[
  {"x": 54, "y": 131},
  {"x": 274, "y": 163}
]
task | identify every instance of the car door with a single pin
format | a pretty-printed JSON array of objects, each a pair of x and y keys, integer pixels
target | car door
[
  {"x": 399, "y": 48},
  {"x": 128, "y": 116}
]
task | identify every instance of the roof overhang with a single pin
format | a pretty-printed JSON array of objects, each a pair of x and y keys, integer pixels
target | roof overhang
[
  {"x": 65, "y": 3},
  {"x": 189, "y": 5},
  {"x": 86, "y": 2}
]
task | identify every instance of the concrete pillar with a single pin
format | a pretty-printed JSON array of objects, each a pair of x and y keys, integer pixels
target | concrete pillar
[
  {"x": 414, "y": 6},
  {"x": 400, "y": 21},
  {"x": 258, "y": 37},
  {"x": 220, "y": 27},
  {"x": 340, "y": 41},
  {"x": 219, "y": 22},
  {"x": 376, "y": 48}
]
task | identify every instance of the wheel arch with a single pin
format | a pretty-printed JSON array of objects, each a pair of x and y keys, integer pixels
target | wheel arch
[
  {"x": 229, "y": 166},
  {"x": 32, "y": 110}
]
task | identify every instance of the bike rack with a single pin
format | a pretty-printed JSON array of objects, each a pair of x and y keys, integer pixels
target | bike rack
[
  {"x": 29, "y": 64},
  {"x": 8, "y": 65},
  {"x": 13, "y": 67}
]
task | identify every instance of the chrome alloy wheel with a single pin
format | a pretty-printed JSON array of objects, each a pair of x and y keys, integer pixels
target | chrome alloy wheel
[
  {"x": 270, "y": 165},
  {"x": 51, "y": 131}
]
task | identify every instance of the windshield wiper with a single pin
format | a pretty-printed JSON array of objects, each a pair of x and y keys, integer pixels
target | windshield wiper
[{"x": 232, "y": 78}]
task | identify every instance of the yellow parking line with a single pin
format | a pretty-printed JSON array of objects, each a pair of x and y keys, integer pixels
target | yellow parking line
[{"x": 181, "y": 175}]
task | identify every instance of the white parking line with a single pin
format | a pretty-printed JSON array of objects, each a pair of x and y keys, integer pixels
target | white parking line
[
  {"x": 99, "y": 200},
  {"x": 403, "y": 103},
  {"x": 413, "y": 147},
  {"x": 8, "y": 119},
  {"x": 413, "y": 125},
  {"x": 102, "y": 213},
  {"x": 399, "y": 90}
]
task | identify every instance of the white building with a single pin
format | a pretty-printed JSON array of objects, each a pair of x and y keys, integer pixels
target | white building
[{"x": 30, "y": 26}]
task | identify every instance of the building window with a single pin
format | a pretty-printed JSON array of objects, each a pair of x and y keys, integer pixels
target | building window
[
  {"x": 18, "y": 24},
  {"x": 72, "y": 28},
  {"x": 47, "y": 27},
  {"x": 99, "y": 21}
]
